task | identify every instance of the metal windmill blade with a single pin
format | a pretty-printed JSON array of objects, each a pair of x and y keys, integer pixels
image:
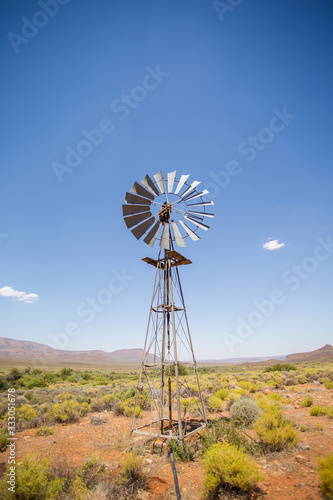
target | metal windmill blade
[{"x": 157, "y": 210}]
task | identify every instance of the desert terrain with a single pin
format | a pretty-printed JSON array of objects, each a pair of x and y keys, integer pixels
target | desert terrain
[{"x": 73, "y": 425}]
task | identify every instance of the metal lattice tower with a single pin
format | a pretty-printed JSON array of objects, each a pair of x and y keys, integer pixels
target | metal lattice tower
[{"x": 168, "y": 377}]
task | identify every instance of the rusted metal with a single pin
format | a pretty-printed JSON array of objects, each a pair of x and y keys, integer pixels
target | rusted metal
[
  {"x": 141, "y": 191},
  {"x": 140, "y": 230},
  {"x": 151, "y": 261},
  {"x": 134, "y": 209},
  {"x": 178, "y": 257},
  {"x": 136, "y": 200},
  {"x": 151, "y": 236},
  {"x": 133, "y": 220},
  {"x": 149, "y": 184},
  {"x": 165, "y": 212}
]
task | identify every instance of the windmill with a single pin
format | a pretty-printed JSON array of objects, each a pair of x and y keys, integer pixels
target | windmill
[{"x": 169, "y": 388}]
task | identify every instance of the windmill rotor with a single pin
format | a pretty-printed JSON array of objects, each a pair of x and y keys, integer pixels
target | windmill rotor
[{"x": 166, "y": 209}]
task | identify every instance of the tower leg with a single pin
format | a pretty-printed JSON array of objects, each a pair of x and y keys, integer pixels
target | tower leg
[{"x": 145, "y": 349}]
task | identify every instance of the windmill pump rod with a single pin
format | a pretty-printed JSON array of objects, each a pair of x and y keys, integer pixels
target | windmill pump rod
[{"x": 166, "y": 303}]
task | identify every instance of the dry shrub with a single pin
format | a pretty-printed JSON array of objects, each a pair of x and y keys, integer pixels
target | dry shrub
[
  {"x": 97, "y": 420},
  {"x": 245, "y": 412},
  {"x": 44, "y": 431},
  {"x": 132, "y": 477}
]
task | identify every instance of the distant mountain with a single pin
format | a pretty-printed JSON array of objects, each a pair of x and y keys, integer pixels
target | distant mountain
[
  {"x": 324, "y": 353},
  {"x": 23, "y": 349},
  {"x": 12, "y": 349},
  {"x": 238, "y": 361}
]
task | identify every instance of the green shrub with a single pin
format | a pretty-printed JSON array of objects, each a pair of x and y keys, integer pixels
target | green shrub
[
  {"x": 51, "y": 377},
  {"x": 14, "y": 375},
  {"x": 132, "y": 476},
  {"x": 222, "y": 393},
  {"x": 127, "y": 408},
  {"x": 306, "y": 402},
  {"x": 33, "y": 397},
  {"x": 67, "y": 411},
  {"x": 3, "y": 437},
  {"x": 325, "y": 470},
  {"x": 97, "y": 404},
  {"x": 274, "y": 430},
  {"x": 330, "y": 412},
  {"x": 223, "y": 431},
  {"x": 26, "y": 412},
  {"x": 41, "y": 479},
  {"x": 214, "y": 404},
  {"x": 44, "y": 431},
  {"x": 129, "y": 394},
  {"x": 303, "y": 428},
  {"x": 266, "y": 403},
  {"x": 238, "y": 393},
  {"x": 245, "y": 412},
  {"x": 66, "y": 372},
  {"x": 278, "y": 367},
  {"x": 118, "y": 409},
  {"x": 20, "y": 400},
  {"x": 275, "y": 396},
  {"x": 182, "y": 370},
  {"x": 319, "y": 427},
  {"x": 108, "y": 401},
  {"x": 318, "y": 411},
  {"x": 31, "y": 382},
  {"x": 328, "y": 384},
  {"x": 227, "y": 467},
  {"x": 34, "y": 481},
  {"x": 291, "y": 381},
  {"x": 90, "y": 472},
  {"x": 3, "y": 383},
  {"x": 65, "y": 395},
  {"x": 188, "y": 405},
  {"x": 249, "y": 386},
  {"x": 183, "y": 452}
]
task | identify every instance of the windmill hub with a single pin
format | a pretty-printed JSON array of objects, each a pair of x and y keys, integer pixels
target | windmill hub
[
  {"x": 172, "y": 402},
  {"x": 165, "y": 212}
]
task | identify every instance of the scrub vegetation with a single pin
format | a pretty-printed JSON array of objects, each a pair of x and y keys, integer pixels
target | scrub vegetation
[{"x": 251, "y": 418}]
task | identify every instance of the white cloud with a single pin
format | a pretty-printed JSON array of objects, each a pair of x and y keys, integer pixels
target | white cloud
[
  {"x": 273, "y": 245},
  {"x": 8, "y": 291}
]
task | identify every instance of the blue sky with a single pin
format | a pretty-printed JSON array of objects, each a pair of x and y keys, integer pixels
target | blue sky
[{"x": 244, "y": 89}]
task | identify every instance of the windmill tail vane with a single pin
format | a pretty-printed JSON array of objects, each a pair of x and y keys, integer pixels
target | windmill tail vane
[{"x": 168, "y": 402}]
